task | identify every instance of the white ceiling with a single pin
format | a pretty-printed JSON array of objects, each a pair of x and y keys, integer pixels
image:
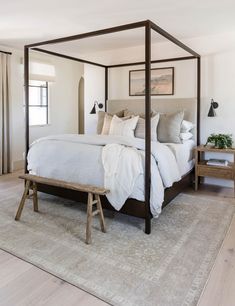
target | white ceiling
[{"x": 26, "y": 21}]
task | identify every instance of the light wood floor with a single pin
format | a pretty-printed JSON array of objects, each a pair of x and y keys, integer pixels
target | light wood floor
[{"x": 23, "y": 284}]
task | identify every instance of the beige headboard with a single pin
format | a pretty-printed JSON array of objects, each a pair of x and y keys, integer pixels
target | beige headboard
[{"x": 189, "y": 105}]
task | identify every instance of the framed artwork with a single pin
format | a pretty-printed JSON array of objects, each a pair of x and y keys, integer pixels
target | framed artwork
[{"x": 162, "y": 82}]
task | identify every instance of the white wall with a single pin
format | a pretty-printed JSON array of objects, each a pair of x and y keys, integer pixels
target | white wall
[
  {"x": 218, "y": 81},
  {"x": 94, "y": 90},
  {"x": 63, "y": 103},
  {"x": 184, "y": 87},
  {"x": 63, "y": 100}
]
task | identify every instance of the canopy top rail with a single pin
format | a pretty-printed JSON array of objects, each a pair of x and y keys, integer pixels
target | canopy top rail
[
  {"x": 5, "y": 52},
  {"x": 130, "y": 26},
  {"x": 69, "y": 57},
  {"x": 120, "y": 28}
]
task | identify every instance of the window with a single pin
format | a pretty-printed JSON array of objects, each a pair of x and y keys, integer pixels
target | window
[{"x": 38, "y": 103}]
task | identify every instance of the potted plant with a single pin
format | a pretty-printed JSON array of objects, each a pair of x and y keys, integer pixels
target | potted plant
[{"x": 220, "y": 141}]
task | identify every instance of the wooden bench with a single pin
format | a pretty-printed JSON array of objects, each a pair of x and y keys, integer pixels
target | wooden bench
[{"x": 31, "y": 182}]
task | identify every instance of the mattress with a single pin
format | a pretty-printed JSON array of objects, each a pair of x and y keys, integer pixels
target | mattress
[{"x": 184, "y": 155}]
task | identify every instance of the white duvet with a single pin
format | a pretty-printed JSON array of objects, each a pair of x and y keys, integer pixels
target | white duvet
[
  {"x": 184, "y": 155},
  {"x": 116, "y": 162}
]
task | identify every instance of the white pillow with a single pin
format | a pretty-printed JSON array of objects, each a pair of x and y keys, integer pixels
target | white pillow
[
  {"x": 186, "y": 136},
  {"x": 186, "y": 126},
  {"x": 140, "y": 128},
  {"x": 121, "y": 127}
]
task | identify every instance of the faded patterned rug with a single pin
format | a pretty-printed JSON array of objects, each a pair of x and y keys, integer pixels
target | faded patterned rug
[{"x": 123, "y": 266}]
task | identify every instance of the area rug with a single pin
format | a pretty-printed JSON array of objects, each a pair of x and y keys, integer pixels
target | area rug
[{"x": 123, "y": 266}]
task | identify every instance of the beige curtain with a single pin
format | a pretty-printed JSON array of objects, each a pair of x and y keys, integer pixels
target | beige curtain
[{"x": 4, "y": 114}]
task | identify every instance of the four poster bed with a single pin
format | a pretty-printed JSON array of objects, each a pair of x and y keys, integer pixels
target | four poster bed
[{"x": 132, "y": 206}]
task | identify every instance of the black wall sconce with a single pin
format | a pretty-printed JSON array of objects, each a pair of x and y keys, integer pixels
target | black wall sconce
[
  {"x": 100, "y": 105},
  {"x": 213, "y": 106}
]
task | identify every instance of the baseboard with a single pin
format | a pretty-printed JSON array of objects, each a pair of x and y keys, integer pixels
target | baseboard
[{"x": 17, "y": 165}]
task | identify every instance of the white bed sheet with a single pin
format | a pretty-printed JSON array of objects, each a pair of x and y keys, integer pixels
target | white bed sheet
[
  {"x": 78, "y": 158},
  {"x": 184, "y": 155}
]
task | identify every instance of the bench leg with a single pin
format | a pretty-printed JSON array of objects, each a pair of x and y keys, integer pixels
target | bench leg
[
  {"x": 22, "y": 202},
  {"x": 89, "y": 218},
  {"x": 101, "y": 215},
  {"x": 35, "y": 198}
]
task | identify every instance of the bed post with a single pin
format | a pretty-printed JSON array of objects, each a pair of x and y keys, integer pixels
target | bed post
[
  {"x": 106, "y": 87},
  {"x": 198, "y": 97},
  {"x": 148, "y": 215},
  {"x": 26, "y": 90}
]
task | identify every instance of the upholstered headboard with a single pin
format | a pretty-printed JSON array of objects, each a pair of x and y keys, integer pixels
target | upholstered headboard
[{"x": 189, "y": 105}]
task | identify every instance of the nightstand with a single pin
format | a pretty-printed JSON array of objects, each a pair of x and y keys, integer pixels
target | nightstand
[{"x": 222, "y": 172}]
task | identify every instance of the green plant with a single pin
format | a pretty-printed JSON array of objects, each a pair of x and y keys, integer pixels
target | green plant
[{"x": 221, "y": 141}]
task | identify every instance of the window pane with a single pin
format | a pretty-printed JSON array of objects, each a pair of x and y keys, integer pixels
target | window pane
[
  {"x": 37, "y": 115},
  {"x": 44, "y": 96},
  {"x": 37, "y": 95},
  {"x": 34, "y": 96},
  {"x": 38, "y": 102}
]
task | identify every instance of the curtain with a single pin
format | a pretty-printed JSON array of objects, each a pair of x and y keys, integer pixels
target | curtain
[{"x": 4, "y": 114}]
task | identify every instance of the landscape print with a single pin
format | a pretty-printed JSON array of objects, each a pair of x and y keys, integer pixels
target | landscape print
[{"x": 162, "y": 82}]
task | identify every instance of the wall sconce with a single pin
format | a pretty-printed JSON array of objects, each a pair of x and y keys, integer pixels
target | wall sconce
[
  {"x": 213, "y": 106},
  {"x": 100, "y": 105}
]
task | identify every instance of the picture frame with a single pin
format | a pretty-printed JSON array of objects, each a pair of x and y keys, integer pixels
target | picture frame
[{"x": 162, "y": 82}]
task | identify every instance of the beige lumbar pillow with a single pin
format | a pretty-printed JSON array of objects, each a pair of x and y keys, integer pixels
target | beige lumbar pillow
[
  {"x": 121, "y": 127},
  {"x": 140, "y": 128},
  {"x": 107, "y": 122},
  {"x": 101, "y": 116},
  {"x": 169, "y": 125},
  {"x": 106, "y": 125}
]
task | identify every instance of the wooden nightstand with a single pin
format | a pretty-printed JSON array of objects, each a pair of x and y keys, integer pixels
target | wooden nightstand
[{"x": 202, "y": 169}]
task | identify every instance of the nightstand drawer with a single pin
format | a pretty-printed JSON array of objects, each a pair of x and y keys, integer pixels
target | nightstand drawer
[{"x": 224, "y": 173}]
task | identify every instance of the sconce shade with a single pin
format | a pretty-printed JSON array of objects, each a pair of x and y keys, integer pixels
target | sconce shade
[
  {"x": 93, "y": 111},
  {"x": 213, "y": 106},
  {"x": 211, "y": 112}
]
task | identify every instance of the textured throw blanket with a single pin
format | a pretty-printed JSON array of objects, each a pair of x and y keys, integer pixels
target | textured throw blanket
[
  {"x": 115, "y": 162},
  {"x": 122, "y": 167}
]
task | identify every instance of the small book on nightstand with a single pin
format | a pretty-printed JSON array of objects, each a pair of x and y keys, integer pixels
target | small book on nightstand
[{"x": 217, "y": 162}]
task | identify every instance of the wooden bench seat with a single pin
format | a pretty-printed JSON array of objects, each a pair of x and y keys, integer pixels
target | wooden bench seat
[{"x": 94, "y": 193}]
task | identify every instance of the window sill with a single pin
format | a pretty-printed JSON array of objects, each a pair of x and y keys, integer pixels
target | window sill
[{"x": 39, "y": 125}]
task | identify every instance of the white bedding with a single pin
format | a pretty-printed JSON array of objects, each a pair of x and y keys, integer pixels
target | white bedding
[
  {"x": 78, "y": 158},
  {"x": 122, "y": 167},
  {"x": 184, "y": 155}
]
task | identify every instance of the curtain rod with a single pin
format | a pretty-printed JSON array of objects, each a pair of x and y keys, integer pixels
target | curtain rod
[{"x": 6, "y": 52}]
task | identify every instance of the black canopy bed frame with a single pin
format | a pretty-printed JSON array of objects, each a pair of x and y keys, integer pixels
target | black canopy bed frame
[
  {"x": 132, "y": 206},
  {"x": 5, "y": 52}
]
